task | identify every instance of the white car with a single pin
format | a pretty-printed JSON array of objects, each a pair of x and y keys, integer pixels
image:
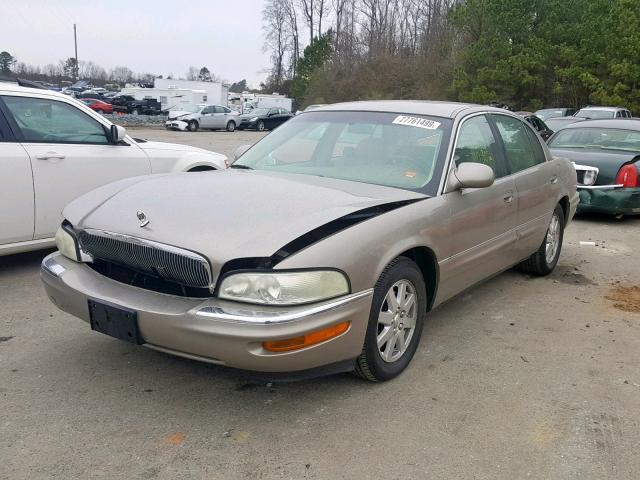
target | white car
[
  {"x": 211, "y": 117},
  {"x": 54, "y": 148}
]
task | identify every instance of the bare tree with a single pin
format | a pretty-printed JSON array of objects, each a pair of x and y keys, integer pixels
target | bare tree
[
  {"x": 122, "y": 75},
  {"x": 275, "y": 17},
  {"x": 308, "y": 13}
]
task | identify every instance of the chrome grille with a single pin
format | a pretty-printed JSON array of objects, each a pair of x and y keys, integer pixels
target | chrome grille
[{"x": 164, "y": 261}]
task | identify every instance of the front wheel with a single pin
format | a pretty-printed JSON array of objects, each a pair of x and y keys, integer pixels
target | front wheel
[
  {"x": 395, "y": 323},
  {"x": 545, "y": 259},
  {"x": 192, "y": 126},
  {"x": 260, "y": 126}
]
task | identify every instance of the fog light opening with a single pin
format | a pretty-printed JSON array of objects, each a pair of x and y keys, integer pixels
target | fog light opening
[{"x": 313, "y": 338}]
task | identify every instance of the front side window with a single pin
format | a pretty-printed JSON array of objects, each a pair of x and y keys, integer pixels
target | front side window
[
  {"x": 370, "y": 147},
  {"x": 517, "y": 145},
  {"x": 50, "y": 121},
  {"x": 477, "y": 144},
  {"x": 207, "y": 110}
]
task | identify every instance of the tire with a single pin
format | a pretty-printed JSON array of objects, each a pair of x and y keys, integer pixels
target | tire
[
  {"x": 135, "y": 111},
  {"x": 192, "y": 126},
  {"x": 231, "y": 126},
  {"x": 540, "y": 263},
  {"x": 260, "y": 126},
  {"x": 379, "y": 364}
]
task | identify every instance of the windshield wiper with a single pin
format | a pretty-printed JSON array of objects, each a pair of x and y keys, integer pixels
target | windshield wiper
[{"x": 242, "y": 167}]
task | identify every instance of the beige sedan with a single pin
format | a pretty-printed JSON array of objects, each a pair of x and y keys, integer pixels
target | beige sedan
[{"x": 325, "y": 245}]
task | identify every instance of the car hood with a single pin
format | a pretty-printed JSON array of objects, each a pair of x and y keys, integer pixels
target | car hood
[
  {"x": 230, "y": 214},
  {"x": 607, "y": 161},
  {"x": 149, "y": 146},
  {"x": 173, "y": 114}
]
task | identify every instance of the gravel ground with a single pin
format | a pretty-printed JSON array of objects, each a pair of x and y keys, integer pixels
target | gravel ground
[{"x": 518, "y": 378}]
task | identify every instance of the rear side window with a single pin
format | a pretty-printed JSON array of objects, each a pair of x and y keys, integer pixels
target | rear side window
[
  {"x": 50, "y": 121},
  {"x": 476, "y": 143},
  {"x": 517, "y": 144}
]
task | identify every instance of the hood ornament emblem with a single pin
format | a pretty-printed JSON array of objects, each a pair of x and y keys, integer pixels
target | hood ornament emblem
[{"x": 144, "y": 221}]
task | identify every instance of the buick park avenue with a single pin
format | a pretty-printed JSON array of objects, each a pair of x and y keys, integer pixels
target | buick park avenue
[{"x": 324, "y": 246}]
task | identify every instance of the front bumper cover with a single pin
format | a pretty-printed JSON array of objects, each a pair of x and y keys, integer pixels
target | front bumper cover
[{"x": 214, "y": 330}]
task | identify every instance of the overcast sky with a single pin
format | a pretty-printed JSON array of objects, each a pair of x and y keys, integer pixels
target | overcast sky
[{"x": 160, "y": 36}]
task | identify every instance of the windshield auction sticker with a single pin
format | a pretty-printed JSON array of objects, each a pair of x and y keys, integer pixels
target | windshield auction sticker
[{"x": 416, "y": 122}]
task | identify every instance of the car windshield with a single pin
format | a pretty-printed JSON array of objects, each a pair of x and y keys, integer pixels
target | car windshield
[
  {"x": 597, "y": 138},
  {"x": 549, "y": 113},
  {"x": 596, "y": 114},
  {"x": 260, "y": 111},
  {"x": 388, "y": 149}
]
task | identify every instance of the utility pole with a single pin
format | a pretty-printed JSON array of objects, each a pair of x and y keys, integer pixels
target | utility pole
[{"x": 75, "y": 41}]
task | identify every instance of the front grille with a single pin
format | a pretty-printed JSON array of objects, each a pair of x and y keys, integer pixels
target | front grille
[{"x": 147, "y": 257}]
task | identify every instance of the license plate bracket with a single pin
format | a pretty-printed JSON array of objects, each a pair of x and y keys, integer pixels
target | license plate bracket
[{"x": 117, "y": 322}]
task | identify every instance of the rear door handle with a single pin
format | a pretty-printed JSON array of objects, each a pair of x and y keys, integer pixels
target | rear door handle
[
  {"x": 554, "y": 180},
  {"x": 508, "y": 198},
  {"x": 50, "y": 156}
]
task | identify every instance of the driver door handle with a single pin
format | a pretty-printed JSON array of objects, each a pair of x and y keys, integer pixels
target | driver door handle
[
  {"x": 554, "y": 180},
  {"x": 508, "y": 198},
  {"x": 50, "y": 156}
]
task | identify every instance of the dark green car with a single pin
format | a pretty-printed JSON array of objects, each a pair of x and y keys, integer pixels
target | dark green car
[{"x": 606, "y": 154}]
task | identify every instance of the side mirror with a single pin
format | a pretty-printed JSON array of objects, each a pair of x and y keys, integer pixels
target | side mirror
[
  {"x": 240, "y": 151},
  {"x": 117, "y": 134},
  {"x": 471, "y": 175}
]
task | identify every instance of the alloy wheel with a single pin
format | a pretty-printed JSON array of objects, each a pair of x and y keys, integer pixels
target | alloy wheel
[{"x": 397, "y": 320}]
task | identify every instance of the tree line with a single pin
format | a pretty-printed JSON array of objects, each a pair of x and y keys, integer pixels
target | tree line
[
  {"x": 68, "y": 70},
  {"x": 526, "y": 53}
]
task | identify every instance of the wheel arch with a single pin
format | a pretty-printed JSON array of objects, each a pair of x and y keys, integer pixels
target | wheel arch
[
  {"x": 426, "y": 260},
  {"x": 564, "y": 203}
]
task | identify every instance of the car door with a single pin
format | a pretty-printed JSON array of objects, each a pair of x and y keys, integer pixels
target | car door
[
  {"x": 221, "y": 116},
  {"x": 207, "y": 117},
  {"x": 271, "y": 120},
  {"x": 70, "y": 154},
  {"x": 16, "y": 209},
  {"x": 536, "y": 181},
  {"x": 483, "y": 220}
]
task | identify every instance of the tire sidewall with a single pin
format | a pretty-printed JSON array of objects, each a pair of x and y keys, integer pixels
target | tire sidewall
[
  {"x": 550, "y": 266},
  {"x": 193, "y": 126},
  {"x": 260, "y": 126},
  {"x": 401, "y": 269},
  {"x": 231, "y": 126}
]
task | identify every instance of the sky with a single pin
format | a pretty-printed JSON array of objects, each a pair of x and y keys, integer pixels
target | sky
[{"x": 161, "y": 37}]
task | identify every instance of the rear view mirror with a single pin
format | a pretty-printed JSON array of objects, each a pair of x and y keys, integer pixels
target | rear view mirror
[
  {"x": 117, "y": 134},
  {"x": 471, "y": 175},
  {"x": 240, "y": 151}
]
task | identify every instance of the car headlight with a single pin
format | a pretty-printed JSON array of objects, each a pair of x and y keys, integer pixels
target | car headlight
[
  {"x": 284, "y": 288},
  {"x": 254, "y": 119},
  {"x": 67, "y": 244}
]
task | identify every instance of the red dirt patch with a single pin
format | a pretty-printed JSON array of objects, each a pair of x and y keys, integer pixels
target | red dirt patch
[{"x": 626, "y": 299}]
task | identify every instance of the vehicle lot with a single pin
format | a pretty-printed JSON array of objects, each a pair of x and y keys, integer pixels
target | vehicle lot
[{"x": 520, "y": 377}]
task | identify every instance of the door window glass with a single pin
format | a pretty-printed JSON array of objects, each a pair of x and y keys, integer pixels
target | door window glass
[
  {"x": 207, "y": 110},
  {"x": 42, "y": 120},
  {"x": 518, "y": 146},
  {"x": 476, "y": 143}
]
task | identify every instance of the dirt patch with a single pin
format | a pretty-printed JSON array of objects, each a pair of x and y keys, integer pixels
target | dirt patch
[
  {"x": 626, "y": 299},
  {"x": 570, "y": 275}
]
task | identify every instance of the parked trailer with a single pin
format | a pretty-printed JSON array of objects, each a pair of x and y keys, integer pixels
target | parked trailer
[{"x": 169, "y": 98}]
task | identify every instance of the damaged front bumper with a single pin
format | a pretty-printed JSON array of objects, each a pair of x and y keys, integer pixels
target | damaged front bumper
[{"x": 176, "y": 125}]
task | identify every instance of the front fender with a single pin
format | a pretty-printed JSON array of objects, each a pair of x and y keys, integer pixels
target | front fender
[{"x": 190, "y": 160}]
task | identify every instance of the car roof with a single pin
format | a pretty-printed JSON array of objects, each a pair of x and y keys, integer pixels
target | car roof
[
  {"x": 9, "y": 87},
  {"x": 417, "y": 107},
  {"x": 604, "y": 109},
  {"x": 623, "y": 123}
]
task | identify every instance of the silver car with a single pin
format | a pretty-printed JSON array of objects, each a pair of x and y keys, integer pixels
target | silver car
[
  {"x": 325, "y": 245},
  {"x": 206, "y": 117}
]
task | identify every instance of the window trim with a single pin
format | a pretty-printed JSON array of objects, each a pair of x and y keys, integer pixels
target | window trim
[{"x": 19, "y": 136}]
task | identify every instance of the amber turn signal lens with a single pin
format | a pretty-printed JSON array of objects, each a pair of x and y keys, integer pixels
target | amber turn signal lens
[{"x": 307, "y": 340}]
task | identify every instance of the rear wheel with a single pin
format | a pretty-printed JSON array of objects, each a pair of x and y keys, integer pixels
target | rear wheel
[
  {"x": 546, "y": 258},
  {"x": 192, "y": 126},
  {"x": 395, "y": 322},
  {"x": 231, "y": 126}
]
